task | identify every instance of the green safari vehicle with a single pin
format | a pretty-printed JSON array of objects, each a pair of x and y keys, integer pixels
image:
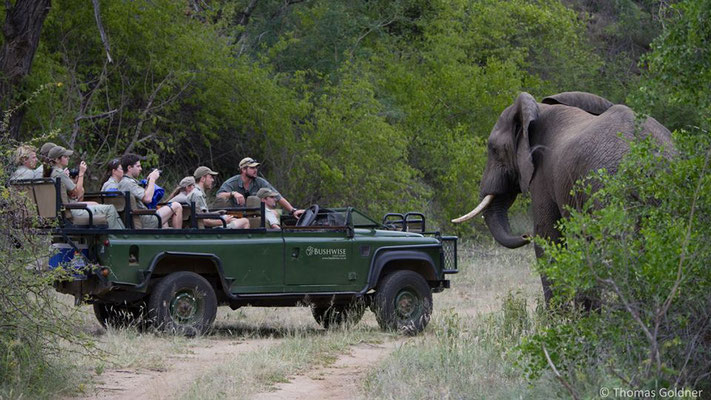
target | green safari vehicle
[{"x": 338, "y": 261}]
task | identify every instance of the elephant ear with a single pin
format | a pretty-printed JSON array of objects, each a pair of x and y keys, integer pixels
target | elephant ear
[
  {"x": 526, "y": 111},
  {"x": 588, "y": 102}
]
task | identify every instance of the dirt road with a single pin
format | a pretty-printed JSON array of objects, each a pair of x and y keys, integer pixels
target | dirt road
[
  {"x": 339, "y": 380},
  {"x": 139, "y": 383}
]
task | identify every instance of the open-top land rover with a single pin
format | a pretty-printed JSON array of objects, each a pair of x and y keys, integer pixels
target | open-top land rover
[{"x": 338, "y": 261}]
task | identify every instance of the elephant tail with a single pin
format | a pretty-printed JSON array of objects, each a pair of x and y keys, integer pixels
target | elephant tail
[{"x": 588, "y": 102}]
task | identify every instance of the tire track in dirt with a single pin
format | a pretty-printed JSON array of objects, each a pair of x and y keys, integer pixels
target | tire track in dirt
[
  {"x": 131, "y": 384},
  {"x": 338, "y": 381}
]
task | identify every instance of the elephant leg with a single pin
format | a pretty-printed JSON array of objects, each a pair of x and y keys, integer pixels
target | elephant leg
[
  {"x": 545, "y": 282},
  {"x": 546, "y": 214}
]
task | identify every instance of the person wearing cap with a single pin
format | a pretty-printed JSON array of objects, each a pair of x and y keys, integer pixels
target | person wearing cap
[
  {"x": 180, "y": 193},
  {"x": 247, "y": 183},
  {"x": 44, "y": 161},
  {"x": 204, "y": 180},
  {"x": 170, "y": 215},
  {"x": 26, "y": 162},
  {"x": 59, "y": 159},
  {"x": 269, "y": 198}
]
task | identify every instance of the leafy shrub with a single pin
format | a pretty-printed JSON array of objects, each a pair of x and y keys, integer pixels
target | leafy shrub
[
  {"x": 639, "y": 247},
  {"x": 36, "y": 328}
]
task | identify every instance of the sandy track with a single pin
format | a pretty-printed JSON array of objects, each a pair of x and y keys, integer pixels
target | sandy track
[
  {"x": 130, "y": 384},
  {"x": 338, "y": 381}
]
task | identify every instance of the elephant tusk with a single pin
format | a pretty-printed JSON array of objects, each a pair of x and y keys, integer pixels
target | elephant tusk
[{"x": 484, "y": 203}]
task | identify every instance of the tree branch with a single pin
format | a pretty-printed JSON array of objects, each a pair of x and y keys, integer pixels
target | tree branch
[
  {"x": 558, "y": 375},
  {"x": 102, "y": 33}
]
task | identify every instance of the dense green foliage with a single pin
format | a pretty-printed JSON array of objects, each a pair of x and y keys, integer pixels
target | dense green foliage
[
  {"x": 35, "y": 329},
  {"x": 640, "y": 248},
  {"x": 380, "y": 104}
]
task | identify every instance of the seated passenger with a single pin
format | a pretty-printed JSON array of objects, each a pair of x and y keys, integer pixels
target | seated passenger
[
  {"x": 59, "y": 159},
  {"x": 185, "y": 187},
  {"x": 269, "y": 198},
  {"x": 247, "y": 183},
  {"x": 204, "y": 179},
  {"x": 114, "y": 176},
  {"x": 44, "y": 161},
  {"x": 26, "y": 162},
  {"x": 171, "y": 215}
]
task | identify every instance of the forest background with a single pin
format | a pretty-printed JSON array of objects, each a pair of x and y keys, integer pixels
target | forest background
[{"x": 383, "y": 105}]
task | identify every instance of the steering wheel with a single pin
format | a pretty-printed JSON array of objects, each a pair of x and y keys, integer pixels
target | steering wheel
[{"x": 309, "y": 216}]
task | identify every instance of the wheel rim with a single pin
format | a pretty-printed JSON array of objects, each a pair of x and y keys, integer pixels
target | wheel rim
[
  {"x": 408, "y": 305},
  {"x": 186, "y": 307}
]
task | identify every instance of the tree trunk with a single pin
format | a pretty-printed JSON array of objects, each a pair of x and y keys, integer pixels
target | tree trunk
[{"x": 21, "y": 33}]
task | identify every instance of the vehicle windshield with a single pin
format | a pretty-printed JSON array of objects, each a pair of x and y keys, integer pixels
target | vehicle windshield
[{"x": 361, "y": 220}]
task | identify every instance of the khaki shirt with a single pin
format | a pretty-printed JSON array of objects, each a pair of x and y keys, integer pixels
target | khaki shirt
[
  {"x": 235, "y": 184},
  {"x": 198, "y": 196},
  {"x": 131, "y": 185},
  {"x": 67, "y": 182},
  {"x": 110, "y": 185},
  {"x": 180, "y": 198},
  {"x": 23, "y": 172}
]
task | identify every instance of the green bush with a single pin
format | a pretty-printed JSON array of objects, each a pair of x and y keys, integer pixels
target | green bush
[
  {"x": 36, "y": 327},
  {"x": 640, "y": 248}
]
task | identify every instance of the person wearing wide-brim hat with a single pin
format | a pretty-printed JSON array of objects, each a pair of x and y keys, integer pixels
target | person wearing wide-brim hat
[
  {"x": 59, "y": 159},
  {"x": 247, "y": 183},
  {"x": 204, "y": 180}
]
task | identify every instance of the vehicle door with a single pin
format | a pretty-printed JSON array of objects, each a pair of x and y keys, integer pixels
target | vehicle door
[
  {"x": 319, "y": 259},
  {"x": 255, "y": 262}
]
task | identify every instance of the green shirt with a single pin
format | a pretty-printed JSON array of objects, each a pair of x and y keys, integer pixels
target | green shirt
[{"x": 235, "y": 184}]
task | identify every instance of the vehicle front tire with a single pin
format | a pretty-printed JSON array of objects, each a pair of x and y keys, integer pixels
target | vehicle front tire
[
  {"x": 121, "y": 315},
  {"x": 183, "y": 303},
  {"x": 333, "y": 315},
  {"x": 403, "y": 302}
]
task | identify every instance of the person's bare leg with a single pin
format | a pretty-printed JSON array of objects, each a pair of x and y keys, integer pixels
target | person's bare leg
[
  {"x": 243, "y": 223},
  {"x": 177, "y": 220},
  {"x": 165, "y": 214}
]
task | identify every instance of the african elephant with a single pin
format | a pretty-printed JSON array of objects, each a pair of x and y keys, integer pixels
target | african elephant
[{"x": 544, "y": 148}]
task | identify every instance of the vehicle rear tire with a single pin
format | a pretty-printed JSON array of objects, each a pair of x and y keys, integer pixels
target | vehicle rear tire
[
  {"x": 121, "y": 315},
  {"x": 183, "y": 303},
  {"x": 334, "y": 315},
  {"x": 403, "y": 302}
]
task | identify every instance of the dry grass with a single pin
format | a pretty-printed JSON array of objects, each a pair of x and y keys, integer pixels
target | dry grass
[
  {"x": 292, "y": 343},
  {"x": 464, "y": 351}
]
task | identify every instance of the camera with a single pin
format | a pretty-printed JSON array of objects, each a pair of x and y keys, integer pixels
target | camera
[{"x": 73, "y": 173}]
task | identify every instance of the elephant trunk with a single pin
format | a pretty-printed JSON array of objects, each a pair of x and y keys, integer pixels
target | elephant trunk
[{"x": 497, "y": 219}]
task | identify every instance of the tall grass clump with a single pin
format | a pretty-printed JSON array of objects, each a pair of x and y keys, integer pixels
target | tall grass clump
[
  {"x": 36, "y": 330},
  {"x": 639, "y": 248},
  {"x": 462, "y": 358}
]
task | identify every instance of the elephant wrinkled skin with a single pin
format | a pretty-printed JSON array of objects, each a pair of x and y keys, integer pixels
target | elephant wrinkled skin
[{"x": 544, "y": 148}]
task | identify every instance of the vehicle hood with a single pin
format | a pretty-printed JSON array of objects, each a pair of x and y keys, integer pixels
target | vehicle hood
[{"x": 387, "y": 233}]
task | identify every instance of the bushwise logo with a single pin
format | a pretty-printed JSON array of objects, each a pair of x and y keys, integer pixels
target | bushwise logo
[{"x": 326, "y": 253}]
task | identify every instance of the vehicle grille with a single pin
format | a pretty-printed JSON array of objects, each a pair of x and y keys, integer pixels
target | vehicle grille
[{"x": 449, "y": 254}]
